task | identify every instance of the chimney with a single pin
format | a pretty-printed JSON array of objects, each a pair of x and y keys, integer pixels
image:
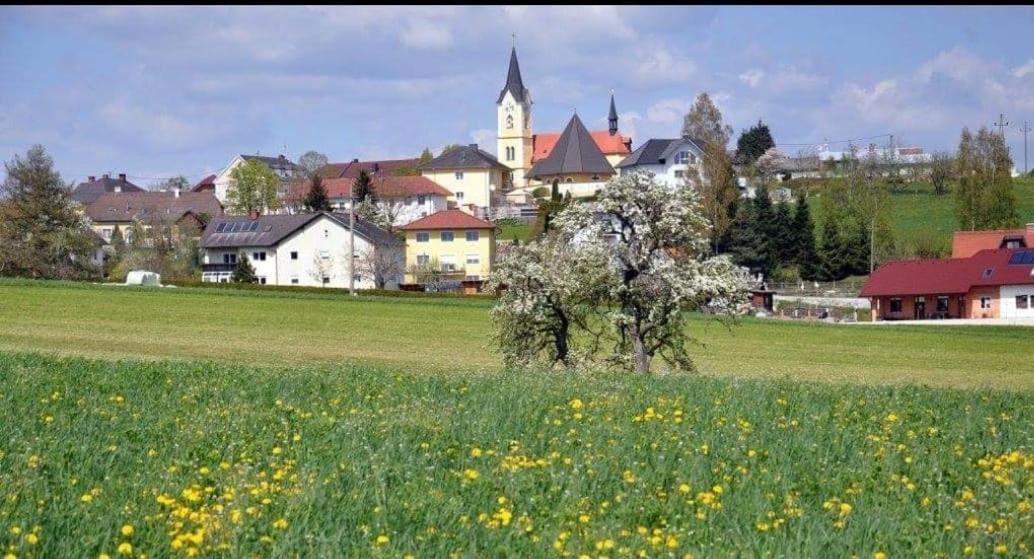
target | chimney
[
  {"x": 122, "y": 177},
  {"x": 253, "y": 215},
  {"x": 473, "y": 146},
  {"x": 355, "y": 160},
  {"x": 92, "y": 178},
  {"x": 107, "y": 176},
  {"x": 376, "y": 166}
]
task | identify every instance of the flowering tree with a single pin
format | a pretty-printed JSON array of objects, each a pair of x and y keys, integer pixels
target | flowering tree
[
  {"x": 549, "y": 287},
  {"x": 657, "y": 266}
]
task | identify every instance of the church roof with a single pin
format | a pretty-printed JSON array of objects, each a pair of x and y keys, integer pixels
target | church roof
[
  {"x": 613, "y": 116},
  {"x": 576, "y": 151},
  {"x": 464, "y": 157},
  {"x": 514, "y": 83},
  {"x": 616, "y": 144}
]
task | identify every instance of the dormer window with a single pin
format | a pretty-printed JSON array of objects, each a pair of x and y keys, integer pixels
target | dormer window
[
  {"x": 988, "y": 272},
  {"x": 682, "y": 157}
]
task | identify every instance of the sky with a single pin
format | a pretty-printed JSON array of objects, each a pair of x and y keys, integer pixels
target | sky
[{"x": 159, "y": 91}]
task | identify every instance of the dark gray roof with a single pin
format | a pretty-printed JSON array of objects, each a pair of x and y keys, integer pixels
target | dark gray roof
[
  {"x": 464, "y": 157},
  {"x": 127, "y": 206},
  {"x": 575, "y": 152},
  {"x": 613, "y": 116},
  {"x": 269, "y": 230},
  {"x": 657, "y": 151},
  {"x": 87, "y": 193},
  {"x": 275, "y": 163},
  {"x": 514, "y": 83}
]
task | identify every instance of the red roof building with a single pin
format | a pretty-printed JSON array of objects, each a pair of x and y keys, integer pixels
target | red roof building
[
  {"x": 387, "y": 186},
  {"x": 968, "y": 243},
  {"x": 351, "y": 169},
  {"x": 448, "y": 219},
  {"x": 992, "y": 283},
  {"x": 616, "y": 144}
]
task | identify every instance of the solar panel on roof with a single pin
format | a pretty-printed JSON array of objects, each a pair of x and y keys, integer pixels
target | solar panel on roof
[
  {"x": 220, "y": 228},
  {"x": 1022, "y": 257},
  {"x": 254, "y": 226}
]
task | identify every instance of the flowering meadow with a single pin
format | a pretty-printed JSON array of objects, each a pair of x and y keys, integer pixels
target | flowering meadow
[{"x": 184, "y": 459}]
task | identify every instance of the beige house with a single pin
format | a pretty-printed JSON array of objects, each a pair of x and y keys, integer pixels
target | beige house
[
  {"x": 575, "y": 165},
  {"x": 119, "y": 210},
  {"x": 462, "y": 245},
  {"x": 473, "y": 176}
]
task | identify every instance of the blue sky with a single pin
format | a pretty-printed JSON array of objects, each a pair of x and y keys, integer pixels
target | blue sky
[{"x": 161, "y": 91}]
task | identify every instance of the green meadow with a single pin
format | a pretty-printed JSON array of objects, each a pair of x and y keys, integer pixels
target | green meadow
[{"x": 196, "y": 422}]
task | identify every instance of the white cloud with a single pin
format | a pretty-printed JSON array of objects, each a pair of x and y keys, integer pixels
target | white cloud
[
  {"x": 752, "y": 77},
  {"x": 1024, "y": 70},
  {"x": 668, "y": 111},
  {"x": 958, "y": 64},
  {"x": 485, "y": 139},
  {"x": 660, "y": 66},
  {"x": 425, "y": 34}
]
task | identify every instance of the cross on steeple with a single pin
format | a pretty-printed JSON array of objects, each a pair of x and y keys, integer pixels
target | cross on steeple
[{"x": 514, "y": 35}]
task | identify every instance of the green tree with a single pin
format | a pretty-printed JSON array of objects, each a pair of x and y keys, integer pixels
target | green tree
[
  {"x": 159, "y": 245},
  {"x": 363, "y": 189},
  {"x": 782, "y": 235},
  {"x": 832, "y": 252},
  {"x": 175, "y": 183},
  {"x": 426, "y": 155},
  {"x": 941, "y": 172},
  {"x": 548, "y": 210},
  {"x": 984, "y": 197},
  {"x": 316, "y": 199},
  {"x": 704, "y": 122},
  {"x": 447, "y": 148},
  {"x": 716, "y": 181},
  {"x": 753, "y": 143},
  {"x": 42, "y": 234},
  {"x": 118, "y": 240},
  {"x": 803, "y": 228},
  {"x": 244, "y": 272},
  {"x": 253, "y": 188}
]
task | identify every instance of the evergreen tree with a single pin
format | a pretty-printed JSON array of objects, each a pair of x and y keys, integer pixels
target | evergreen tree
[
  {"x": 748, "y": 246},
  {"x": 316, "y": 199},
  {"x": 244, "y": 272},
  {"x": 783, "y": 235},
  {"x": 362, "y": 189},
  {"x": 832, "y": 252},
  {"x": 765, "y": 234},
  {"x": 753, "y": 143},
  {"x": 426, "y": 155},
  {"x": 548, "y": 209},
  {"x": 805, "y": 255},
  {"x": 42, "y": 234},
  {"x": 118, "y": 241}
]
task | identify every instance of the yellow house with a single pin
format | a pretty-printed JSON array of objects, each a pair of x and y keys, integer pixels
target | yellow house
[
  {"x": 462, "y": 245},
  {"x": 472, "y": 175}
]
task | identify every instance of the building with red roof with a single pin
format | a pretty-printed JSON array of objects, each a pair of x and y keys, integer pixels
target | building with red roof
[
  {"x": 968, "y": 243},
  {"x": 406, "y": 198},
  {"x": 451, "y": 244},
  {"x": 992, "y": 283}
]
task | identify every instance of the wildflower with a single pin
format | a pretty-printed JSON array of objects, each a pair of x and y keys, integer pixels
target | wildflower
[
  {"x": 125, "y": 548},
  {"x": 127, "y": 530},
  {"x": 471, "y": 474},
  {"x": 583, "y": 518},
  {"x": 1001, "y": 549},
  {"x": 31, "y": 539},
  {"x": 684, "y": 488},
  {"x": 86, "y": 498},
  {"x": 475, "y": 452},
  {"x": 879, "y": 554},
  {"x": 280, "y": 524},
  {"x": 575, "y": 404},
  {"x": 628, "y": 476},
  {"x": 382, "y": 539}
]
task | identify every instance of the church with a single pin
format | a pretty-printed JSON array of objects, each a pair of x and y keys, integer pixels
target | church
[{"x": 577, "y": 160}]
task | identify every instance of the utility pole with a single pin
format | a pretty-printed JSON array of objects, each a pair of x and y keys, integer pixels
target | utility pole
[
  {"x": 1001, "y": 124},
  {"x": 351, "y": 240},
  {"x": 1025, "y": 130}
]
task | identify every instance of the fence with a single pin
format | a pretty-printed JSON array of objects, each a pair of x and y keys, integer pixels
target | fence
[{"x": 846, "y": 288}]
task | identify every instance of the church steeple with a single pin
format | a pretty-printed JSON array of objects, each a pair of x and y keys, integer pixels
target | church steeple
[
  {"x": 613, "y": 118},
  {"x": 514, "y": 83}
]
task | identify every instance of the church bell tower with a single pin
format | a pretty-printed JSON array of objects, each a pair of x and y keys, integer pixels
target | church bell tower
[{"x": 514, "y": 123}]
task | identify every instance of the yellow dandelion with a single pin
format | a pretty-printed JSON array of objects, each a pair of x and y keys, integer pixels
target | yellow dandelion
[
  {"x": 471, "y": 474},
  {"x": 382, "y": 539},
  {"x": 127, "y": 530},
  {"x": 125, "y": 548},
  {"x": 280, "y": 524}
]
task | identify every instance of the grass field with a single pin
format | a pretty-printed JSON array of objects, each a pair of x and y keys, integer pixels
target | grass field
[
  {"x": 185, "y": 459},
  {"x": 454, "y": 335},
  {"x": 266, "y": 424}
]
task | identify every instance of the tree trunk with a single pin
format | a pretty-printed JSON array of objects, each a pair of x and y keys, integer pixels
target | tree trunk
[{"x": 642, "y": 359}]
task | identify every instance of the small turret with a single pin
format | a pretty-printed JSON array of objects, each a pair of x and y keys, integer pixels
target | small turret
[{"x": 613, "y": 118}]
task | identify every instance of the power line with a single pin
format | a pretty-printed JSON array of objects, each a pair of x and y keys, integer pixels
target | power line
[
  {"x": 835, "y": 141},
  {"x": 1025, "y": 130}
]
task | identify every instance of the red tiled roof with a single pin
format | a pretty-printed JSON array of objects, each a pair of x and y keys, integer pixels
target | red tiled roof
[
  {"x": 385, "y": 187},
  {"x": 351, "y": 169},
  {"x": 968, "y": 243},
  {"x": 947, "y": 276},
  {"x": 207, "y": 183},
  {"x": 125, "y": 206},
  {"x": 449, "y": 219},
  {"x": 542, "y": 144}
]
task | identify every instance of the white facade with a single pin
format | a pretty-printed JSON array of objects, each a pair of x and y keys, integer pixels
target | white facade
[
  {"x": 222, "y": 180},
  {"x": 680, "y": 157},
  {"x": 1014, "y": 297},
  {"x": 316, "y": 255},
  {"x": 405, "y": 210}
]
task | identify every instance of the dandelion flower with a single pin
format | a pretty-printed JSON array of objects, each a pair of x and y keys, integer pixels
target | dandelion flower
[
  {"x": 125, "y": 548},
  {"x": 382, "y": 539},
  {"x": 127, "y": 530},
  {"x": 471, "y": 474}
]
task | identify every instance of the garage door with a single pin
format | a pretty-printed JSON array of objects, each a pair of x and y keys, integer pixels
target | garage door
[{"x": 1017, "y": 301}]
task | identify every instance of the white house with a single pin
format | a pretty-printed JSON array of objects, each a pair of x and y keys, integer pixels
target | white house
[
  {"x": 669, "y": 160},
  {"x": 302, "y": 249},
  {"x": 282, "y": 166},
  {"x": 406, "y": 198}
]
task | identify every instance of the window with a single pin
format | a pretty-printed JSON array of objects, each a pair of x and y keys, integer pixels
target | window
[
  {"x": 294, "y": 280},
  {"x": 107, "y": 233},
  {"x": 985, "y": 303},
  {"x": 326, "y": 280},
  {"x": 679, "y": 174},
  {"x": 448, "y": 263},
  {"x": 459, "y": 195},
  {"x": 681, "y": 158},
  {"x": 459, "y": 175},
  {"x": 510, "y": 153},
  {"x": 895, "y": 305},
  {"x": 595, "y": 177},
  {"x": 324, "y": 254},
  {"x": 230, "y": 258},
  {"x": 942, "y": 303},
  {"x": 472, "y": 278},
  {"x": 357, "y": 278},
  {"x": 509, "y": 121},
  {"x": 422, "y": 259},
  {"x": 423, "y": 237},
  {"x": 568, "y": 179},
  {"x": 260, "y": 256},
  {"x": 421, "y": 199},
  {"x": 447, "y": 236},
  {"x": 294, "y": 255},
  {"x": 473, "y": 236},
  {"x": 473, "y": 259},
  {"x": 326, "y": 234},
  {"x": 1022, "y": 301},
  {"x": 262, "y": 280}
]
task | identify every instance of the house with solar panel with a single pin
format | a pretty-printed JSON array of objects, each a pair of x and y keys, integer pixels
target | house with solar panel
[
  {"x": 303, "y": 249},
  {"x": 992, "y": 282}
]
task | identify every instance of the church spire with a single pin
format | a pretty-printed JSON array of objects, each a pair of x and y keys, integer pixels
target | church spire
[
  {"x": 613, "y": 118},
  {"x": 514, "y": 83}
]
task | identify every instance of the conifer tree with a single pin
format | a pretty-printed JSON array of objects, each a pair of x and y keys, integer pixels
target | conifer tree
[
  {"x": 244, "y": 272},
  {"x": 783, "y": 235},
  {"x": 316, "y": 199},
  {"x": 805, "y": 255},
  {"x": 363, "y": 189},
  {"x": 832, "y": 253}
]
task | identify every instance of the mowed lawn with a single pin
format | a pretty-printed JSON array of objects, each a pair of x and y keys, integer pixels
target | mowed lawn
[{"x": 455, "y": 335}]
